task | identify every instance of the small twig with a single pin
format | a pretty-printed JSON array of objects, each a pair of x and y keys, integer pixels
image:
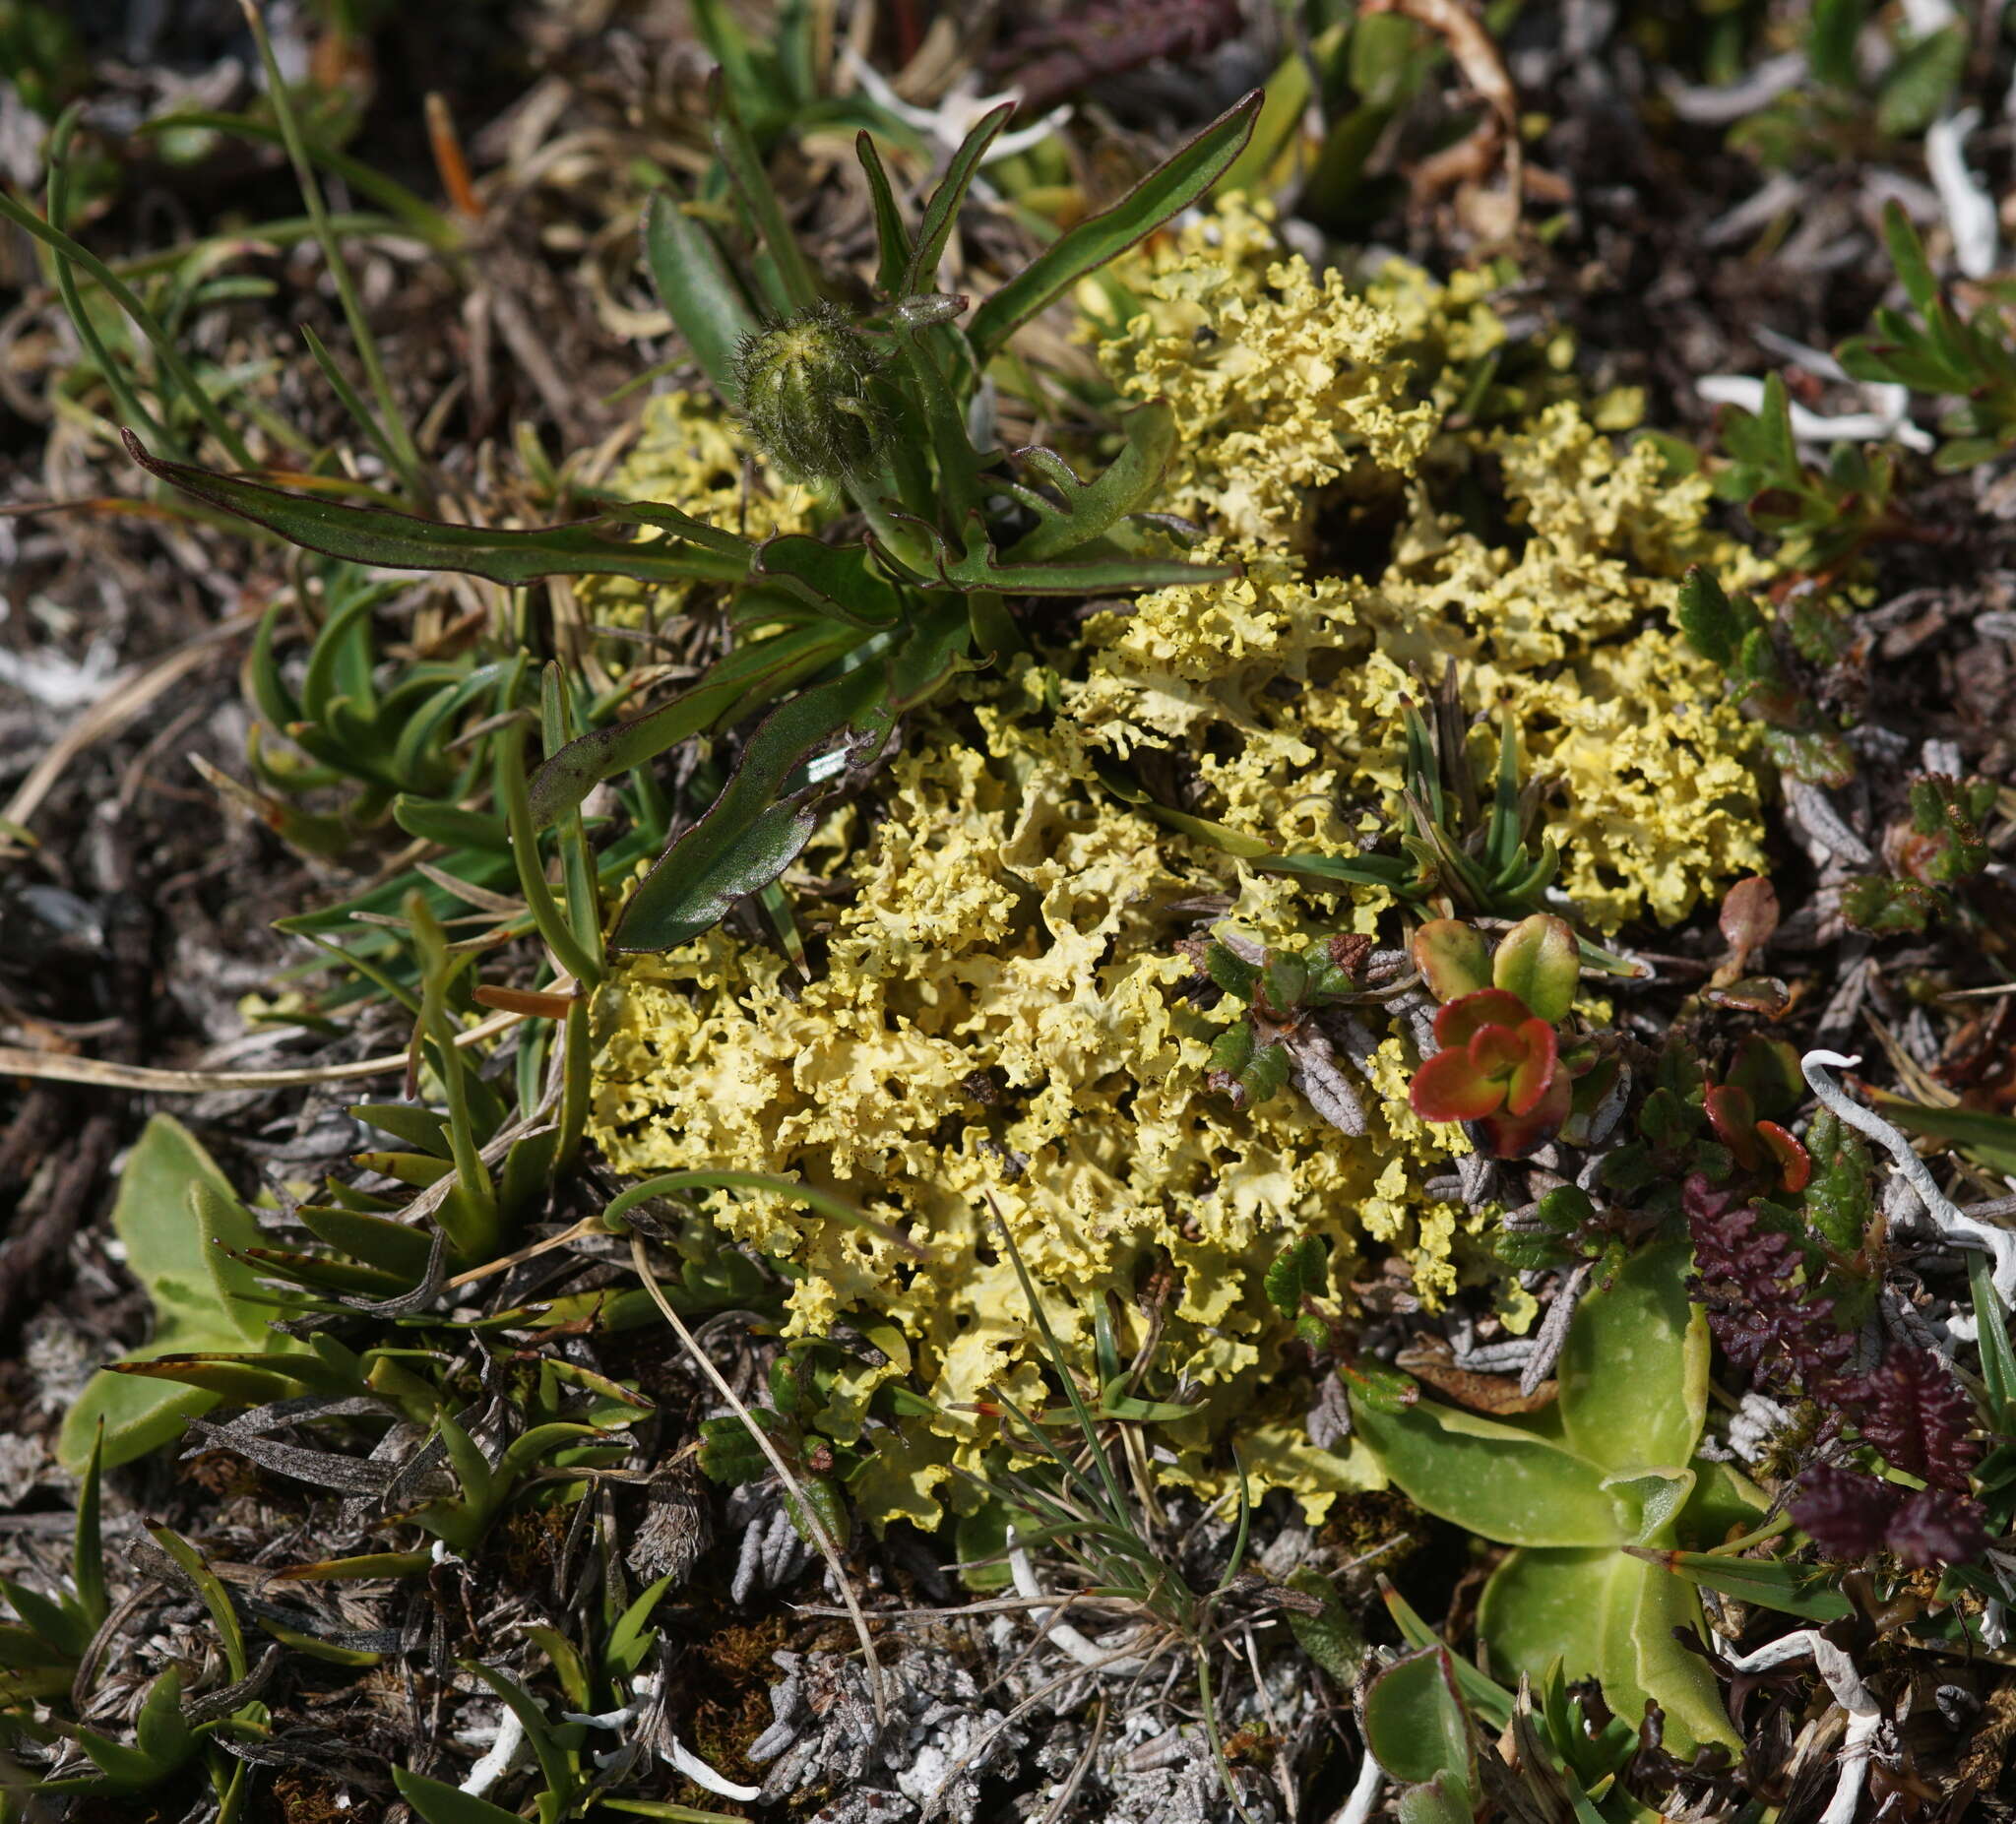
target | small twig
[
  {"x": 1952, "y": 1222},
  {"x": 761, "y": 1439}
]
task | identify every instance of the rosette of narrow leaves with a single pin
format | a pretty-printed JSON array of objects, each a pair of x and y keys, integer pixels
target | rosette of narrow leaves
[
  {"x": 1499, "y": 865},
  {"x": 1734, "y": 634},
  {"x": 1969, "y": 359}
]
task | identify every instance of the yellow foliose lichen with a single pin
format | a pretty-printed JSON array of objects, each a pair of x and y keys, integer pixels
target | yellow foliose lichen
[{"x": 1003, "y": 1028}]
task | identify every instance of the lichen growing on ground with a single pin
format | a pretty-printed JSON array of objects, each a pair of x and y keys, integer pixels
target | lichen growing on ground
[{"x": 1000, "y": 1020}]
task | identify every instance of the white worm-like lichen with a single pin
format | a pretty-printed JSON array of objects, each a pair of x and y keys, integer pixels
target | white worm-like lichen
[
  {"x": 1061, "y": 1634},
  {"x": 1999, "y": 1244},
  {"x": 1846, "y": 1684}
]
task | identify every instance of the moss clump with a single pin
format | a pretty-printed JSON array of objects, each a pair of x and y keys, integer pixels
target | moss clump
[{"x": 1000, "y": 1021}]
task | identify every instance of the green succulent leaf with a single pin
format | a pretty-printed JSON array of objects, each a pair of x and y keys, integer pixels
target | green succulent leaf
[
  {"x": 1610, "y": 1615},
  {"x": 1634, "y": 1371},
  {"x": 1493, "y": 1479},
  {"x": 1538, "y": 961},
  {"x": 1415, "y": 1725},
  {"x": 176, "y": 1215}
]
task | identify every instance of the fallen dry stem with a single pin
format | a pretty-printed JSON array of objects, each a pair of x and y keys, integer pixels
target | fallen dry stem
[{"x": 820, "y": 1537}]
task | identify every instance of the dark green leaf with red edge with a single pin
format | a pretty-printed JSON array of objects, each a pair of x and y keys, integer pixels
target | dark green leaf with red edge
[
  {"x": 389, "y": 540},
  {"x": 1460, "y": 1020},
  {"x": 1794, "y": 1168},
  {"x": 1449, "y": 1087},
  {"x": 756, "y": 828}
]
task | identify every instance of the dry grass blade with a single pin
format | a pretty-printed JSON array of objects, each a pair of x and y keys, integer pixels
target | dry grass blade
[
  {"x": 820, "y": 1537},
  {"x": 53, "y": 1067},
  {"x": 111, "y": 712}
]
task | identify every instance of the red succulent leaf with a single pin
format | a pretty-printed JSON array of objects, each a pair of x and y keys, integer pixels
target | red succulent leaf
[
  {"x": 1497, "y": 1050},
  {"x": 1537, "y": 1068},
  {"x": 1733, "y": 1116},
  {"x": 1448, "y": 1087},
  {"x": 1794, "y": 1162},
  {"x": 1514, "y": 1136},
  {"x": 1459, "y": 1020}
]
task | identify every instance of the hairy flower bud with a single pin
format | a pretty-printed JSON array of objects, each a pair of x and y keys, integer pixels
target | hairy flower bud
[{"x": 807, "y": 396}]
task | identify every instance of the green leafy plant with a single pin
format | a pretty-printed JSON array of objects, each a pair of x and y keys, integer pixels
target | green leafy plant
[
  {"x": 1939, "y": 848},
  {"x": 834, "y": 640},
  {"x": 1759, "y": 658},
  {"x": 1969, "y": 359},
  {"x": 1821, "y": 517},
  {"x": 1452, "y": 855},
  {"x": 1837, "y": 114},
  {"x": 1613, "y": 1467}
]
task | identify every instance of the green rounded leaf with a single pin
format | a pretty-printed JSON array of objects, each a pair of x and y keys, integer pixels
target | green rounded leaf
[
  {"x": 1634, "y": 1373},
  {"x": 1537, "y": 960},
  {"x": 1415, "y": 1720},
  {"x": 1495, "y": 1480}
]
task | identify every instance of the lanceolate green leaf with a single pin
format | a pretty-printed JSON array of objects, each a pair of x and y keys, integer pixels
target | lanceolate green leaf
[
  {"x": 751, "y": 675},
  {"x": 1169, "y": 188},
  {"x": 698, "y": 289},
  {"x": 755, "y": 828},
  {"x": 1989, "y": 1137},
  {"x": 1764, "y": 1583},
  {"x": 743, "y": 160},
  {"x": 397, "y": 541},
  {"x": 942, "y": 211},
  {"x": 838, "y": 579},
  {"x": 891, "y": 237}
]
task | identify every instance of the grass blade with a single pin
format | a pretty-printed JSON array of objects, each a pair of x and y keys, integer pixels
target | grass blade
[
  {"x": 1173, "y": 186},
  {"x": 404, "y": 457}
]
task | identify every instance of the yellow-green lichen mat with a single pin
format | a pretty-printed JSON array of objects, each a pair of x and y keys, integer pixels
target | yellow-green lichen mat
[{"x": 997, "y": 1024}]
